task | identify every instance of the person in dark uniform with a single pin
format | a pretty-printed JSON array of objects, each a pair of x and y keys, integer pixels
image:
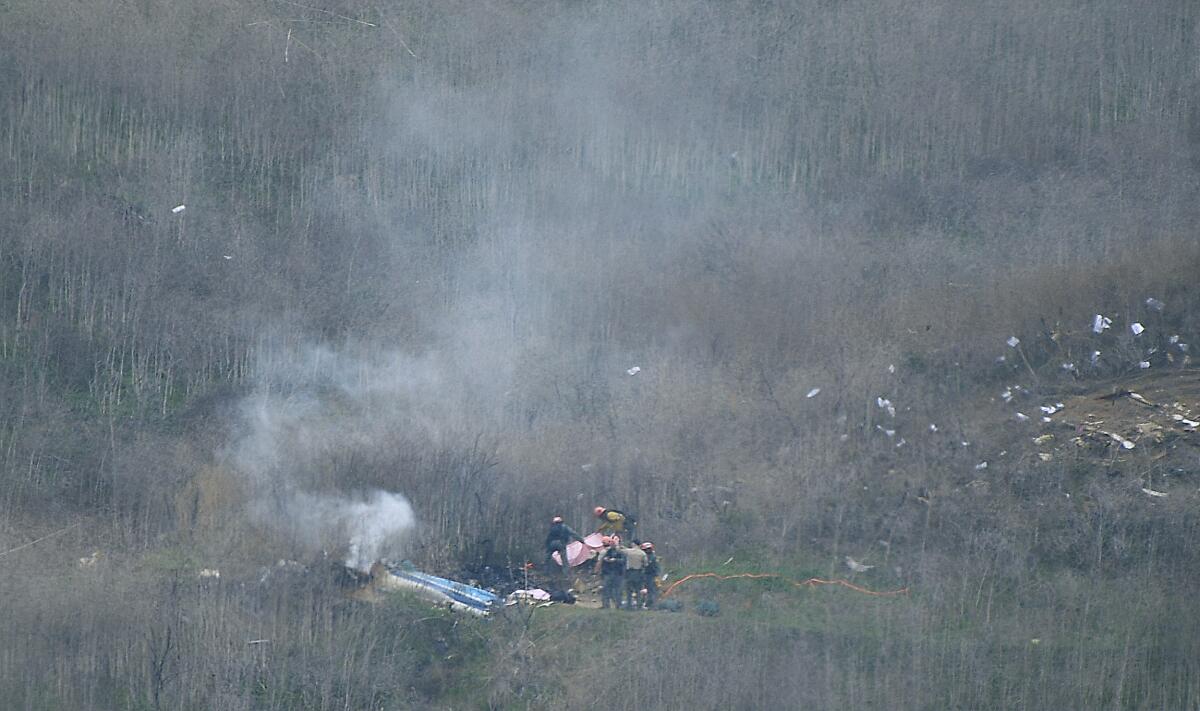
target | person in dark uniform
[
  {"x": 557, "y": 538},
  {"x": 612, "y": 572},
  {"x": 650, "y": 573}
]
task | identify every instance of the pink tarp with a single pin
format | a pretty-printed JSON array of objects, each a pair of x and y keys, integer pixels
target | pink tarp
[{"x": 578, "y": 553}]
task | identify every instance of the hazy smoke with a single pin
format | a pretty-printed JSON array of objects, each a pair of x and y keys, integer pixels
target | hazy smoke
[
  {"x": 310, "y": 413},
  {"x": 367, "y": 529}
]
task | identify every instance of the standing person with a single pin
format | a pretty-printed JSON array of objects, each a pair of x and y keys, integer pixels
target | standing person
[
  {"x": 612, "y": 570},
  {"x": 557, "y": 538},
  {"x": 616, "y": 522},
  {"x": 650, "y": 573},
  {"x": 635, "y": 563}
]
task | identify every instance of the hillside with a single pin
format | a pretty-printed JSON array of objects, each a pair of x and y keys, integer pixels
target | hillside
[{"x": 289, "y": 286}]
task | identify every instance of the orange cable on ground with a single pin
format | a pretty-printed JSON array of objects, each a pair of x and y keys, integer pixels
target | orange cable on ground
[{"x": 811, "y": 582}]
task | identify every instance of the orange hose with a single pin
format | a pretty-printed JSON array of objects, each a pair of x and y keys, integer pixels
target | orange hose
[{"x": 811, "y": 582}]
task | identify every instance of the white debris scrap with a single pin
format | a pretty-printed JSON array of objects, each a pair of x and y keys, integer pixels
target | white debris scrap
[
  {"x": 1100, "y": 323},
  {"x": 1095, "y": 358},
  {"x": 933, "y": 427},
  {"x": 1007, "y": 395},
  {"x": 1192, "y": 424},
  {"x": 1154, "y": 304},
  {"x": 1126, "y": 444},
  {"x": 633, "y": 371},
  {"x": 178, "y": 209},
  {"x": 981, "y": 465},
  {"x": 1022, "y": 417},
  {"x": 813, "y": 393},
  {"x": 889, "y": 433},
  {"x": 1137, "y": 328},
  {"x": 892, "y": 368},
  {"x": 1069, "y": 367},
  {"x": 1144, "y": 364},
  {"x": 885, "y": 404},
  {"x": 856, "y": 566},
  {"x": 1152, "y": 492},
  {"x": 1173, "y": 339},
  {"x": 1050, "y": 409},
  {"x": 1013, "y": 341}
]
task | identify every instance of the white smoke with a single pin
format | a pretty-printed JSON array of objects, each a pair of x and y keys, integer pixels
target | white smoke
[
  {"x": 362, "y": 530},
  {"x": 311, "y": 409}
]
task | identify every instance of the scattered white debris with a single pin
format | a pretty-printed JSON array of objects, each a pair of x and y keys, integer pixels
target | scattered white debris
[
  {"x": 1152, "y": 492},
  {"x": 1047, "y": 420},
  {"x": 1154, "y": 304},
  {"x": 1173, "y": 339},
  {"x": 1069, "y": 367},
  {"x": 981, "y": 465},
  {"x": 1100, "y": 323},
  {"x": 1007, "y": 395},
  {"x": 889, "y": 433},
  {"x": 885, "y": 404},
  {"x": 892, "y": 368},
  {"x": 178, "y": 209},
  {"x": 1045, "y": 456},
  {"x": 1043, "y": 439},
  {"x": 1137, "y": 328},
  {"x": 813, "y": 393},
  {"x": 209, "y": 573},
  {"x": 965, "y": 443},
  {"x": 856, "y": 566},
  {"x": 1001, "y": 359},
  {"x": 1191, "y": 424},
  {"x": 901, "y": 443},
  {"x": 1126, "y": 444},
  {"x": 1013, "y": 341},
  {"x": 1050, "y": 409},
  {"x": 728, "y": 561},
  {"x": 933, "y": 427},
  {"x": 1022, "y": 417},
  {"x": 634, "y": 370},
  {"x": 1144, "y": 364},
  {"x": 1095, "y": 358},
  {"x": 843, "y": 438},
  {"x": 227, "y": 256},
  {"x": 1183, "y": 347}
]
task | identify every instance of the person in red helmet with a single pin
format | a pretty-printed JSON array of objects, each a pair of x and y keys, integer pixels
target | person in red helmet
[
  {"x": 616, "y": 522},
  {"x": 650, "y": 572},
  {"x": 557, "y": 538}
]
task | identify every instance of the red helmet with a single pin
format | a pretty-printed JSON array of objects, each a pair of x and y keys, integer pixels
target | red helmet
[
  {"x": 647, "y": 546},
  {"x": 599, "y": 511},
  {"x": 556, "y": 519}
]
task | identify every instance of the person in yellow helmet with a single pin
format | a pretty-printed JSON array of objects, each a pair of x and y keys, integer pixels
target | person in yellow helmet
[{"x": 616, "y": 522}]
